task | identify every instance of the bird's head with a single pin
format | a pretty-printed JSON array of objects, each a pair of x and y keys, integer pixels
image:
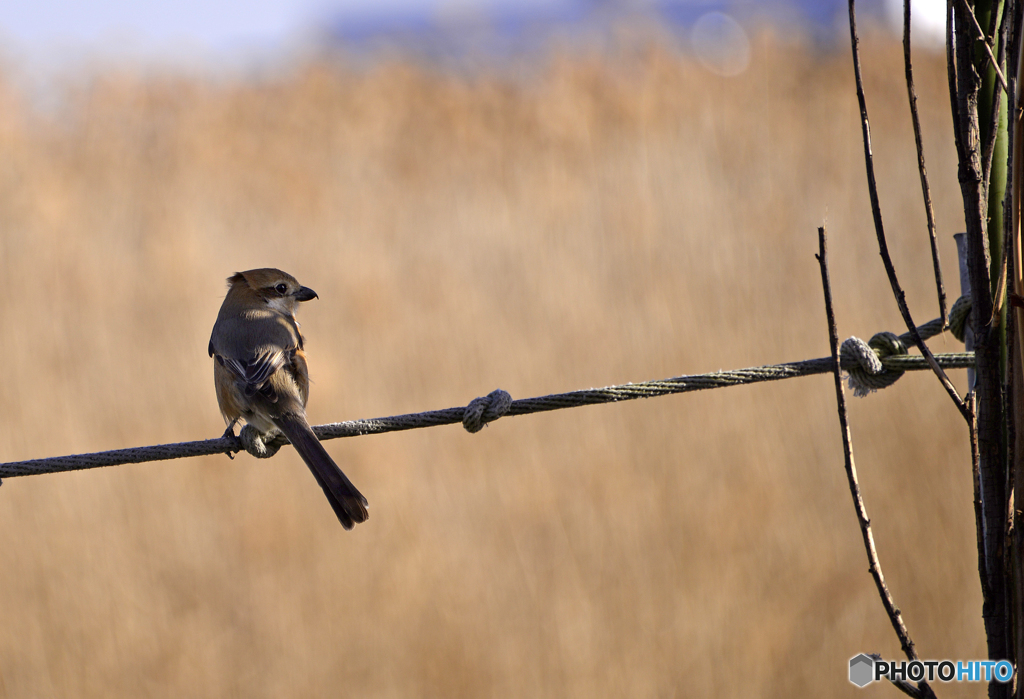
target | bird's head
[{"x": 279, "y": 290}]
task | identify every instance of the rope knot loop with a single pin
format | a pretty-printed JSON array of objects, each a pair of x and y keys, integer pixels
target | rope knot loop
[
  {"x": 257, "y": 444},
  {"x": 958, "y": 316},
  {"x": 480, "y": 411},
  {"x": 868, "y": 373}
]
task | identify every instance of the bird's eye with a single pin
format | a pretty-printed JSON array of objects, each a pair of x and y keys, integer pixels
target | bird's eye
[{"x": 281, "y": 289}]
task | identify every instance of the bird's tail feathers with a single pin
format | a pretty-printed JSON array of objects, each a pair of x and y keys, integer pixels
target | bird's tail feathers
[{"x": 348, "y": 503}]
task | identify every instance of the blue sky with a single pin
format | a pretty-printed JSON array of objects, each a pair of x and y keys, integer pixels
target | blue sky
[{"x": 51, "y": 31}]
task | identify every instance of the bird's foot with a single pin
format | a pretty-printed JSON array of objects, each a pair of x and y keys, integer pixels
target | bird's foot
[
  {"x": 229, "y": 433},
  {"x": 256, "y": 443}
]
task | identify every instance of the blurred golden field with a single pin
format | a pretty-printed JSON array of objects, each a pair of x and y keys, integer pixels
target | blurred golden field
[{"x": 614, "y": 216}]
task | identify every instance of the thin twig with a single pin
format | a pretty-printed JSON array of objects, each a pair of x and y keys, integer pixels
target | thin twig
[
  {"x": 875, "y": 567},
  {"x": 979, "y": 517},
  {"x": 984, "y": 41},
  {"x": 989, "y": 146},
  {"x": 1011, "y": 212},
  {"x": 951, "y": 78},
  {"x": 876, "y": 211},
  {"x": 910, "y": 690},
  {"x": 925, "y": 188},
  {"x": 999, "y": 298}
]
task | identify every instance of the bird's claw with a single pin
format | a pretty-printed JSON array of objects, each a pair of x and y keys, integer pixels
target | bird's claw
[{"x": 256, "y": 443}]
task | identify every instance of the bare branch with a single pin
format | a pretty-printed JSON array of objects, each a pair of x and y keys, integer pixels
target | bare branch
[
  {"x": 988, "y": 49},
  {"x": 990, "y": 405},
  {"x": 910, "y": 690},
  {"x": 988, "y": 148},
  {"x": 951, "y": 77},
  {"x": 925, "y": 188},
  {"x": 875, "y": 567},
  {"x": 876, "y": 211},
  {"x": 979, "y": 517}
]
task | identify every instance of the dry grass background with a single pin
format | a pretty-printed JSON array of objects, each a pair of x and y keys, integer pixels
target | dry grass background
[{"x": 618, "y": 216}]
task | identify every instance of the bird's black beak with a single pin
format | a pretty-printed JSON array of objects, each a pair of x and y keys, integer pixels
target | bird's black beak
[{"x": 305, "y": 294}]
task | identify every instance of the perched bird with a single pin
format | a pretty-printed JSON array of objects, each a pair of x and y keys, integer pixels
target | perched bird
[{"x": 260, "y": 375}]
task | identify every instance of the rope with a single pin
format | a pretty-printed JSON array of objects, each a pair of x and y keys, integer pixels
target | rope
[
  {"x": 958, "y": 317},
  {"x": 867, "y": 373},
  {"x": 872, "y": 367}
]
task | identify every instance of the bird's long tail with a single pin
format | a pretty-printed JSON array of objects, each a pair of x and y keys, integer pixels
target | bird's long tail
[{"x": 348, "y": 503}]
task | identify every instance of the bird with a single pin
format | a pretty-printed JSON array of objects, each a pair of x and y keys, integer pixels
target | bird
[{"x": 261, "y": 376}]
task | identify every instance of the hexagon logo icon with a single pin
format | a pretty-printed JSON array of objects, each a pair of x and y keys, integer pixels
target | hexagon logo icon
[{"x": 862, "y": 670}]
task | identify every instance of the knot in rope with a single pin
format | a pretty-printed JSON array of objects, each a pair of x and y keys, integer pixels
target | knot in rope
[
  {"x": 480, "y": 411},
  {"x": 256, "y": 445},
  {"x": 869, "y": 374},
  {"x": 958, "y": 316}
]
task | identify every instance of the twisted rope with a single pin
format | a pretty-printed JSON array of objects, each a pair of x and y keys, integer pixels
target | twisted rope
[
  {"x": 877, "y": 365},
  {"x": 867, "y": 372},
  {"x": 958, "y": 316}
]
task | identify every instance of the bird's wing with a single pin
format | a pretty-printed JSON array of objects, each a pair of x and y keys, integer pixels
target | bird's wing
[
  {"x": 262, "y": 367},
  {"x": 254, "y": 352}
]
